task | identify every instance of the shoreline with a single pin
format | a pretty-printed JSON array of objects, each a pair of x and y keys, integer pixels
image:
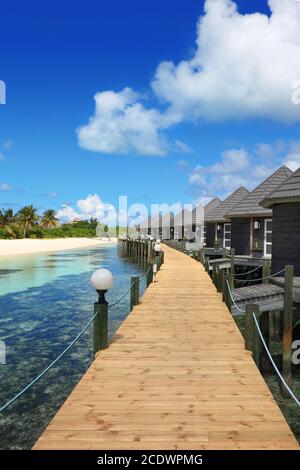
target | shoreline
[{"x": 42, "y": 245}]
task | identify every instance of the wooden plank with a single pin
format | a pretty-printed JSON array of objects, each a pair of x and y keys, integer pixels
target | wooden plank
[{"x": 175, "y": 376}]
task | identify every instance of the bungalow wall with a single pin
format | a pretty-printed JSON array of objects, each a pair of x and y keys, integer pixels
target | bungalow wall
[
  {"x": 220, "y": 233},
  {"x": 258, "y": 244},
  {"x": 210, "y": 234},
  {"x": 240, "y": 235},
  {"x": 168, "y": 233},
  {"x": 286, "y": 237}
]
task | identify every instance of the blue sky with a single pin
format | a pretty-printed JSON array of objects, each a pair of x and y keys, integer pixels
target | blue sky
[{"x": 55, "y": 56}]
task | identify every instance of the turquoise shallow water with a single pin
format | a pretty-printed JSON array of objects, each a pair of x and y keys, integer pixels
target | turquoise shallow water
[{"x": 44, "y": 302}]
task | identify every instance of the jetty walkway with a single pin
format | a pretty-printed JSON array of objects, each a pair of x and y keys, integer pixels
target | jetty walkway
[{"x": 175, "y": 376}]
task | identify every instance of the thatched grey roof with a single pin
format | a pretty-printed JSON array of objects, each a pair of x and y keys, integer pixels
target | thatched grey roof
[
  {"x": 218, "y": 213},
  {"x": 250, "y": 205},
  {"x": 288, "y": 191},
  {"x": 211, "y": 205}
]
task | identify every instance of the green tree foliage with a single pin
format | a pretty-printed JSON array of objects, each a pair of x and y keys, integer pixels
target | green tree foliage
[{"x": 27, "y": 223}]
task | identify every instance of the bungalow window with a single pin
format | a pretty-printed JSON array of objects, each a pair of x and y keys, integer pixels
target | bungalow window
[
  {"x": 204, "y": 235},
  {"x": 227, "y": 236},
  {"x": 268, "y": 237}
]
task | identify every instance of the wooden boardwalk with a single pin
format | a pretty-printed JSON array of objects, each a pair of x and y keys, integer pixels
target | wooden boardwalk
[{"x": 176, "y": 376}]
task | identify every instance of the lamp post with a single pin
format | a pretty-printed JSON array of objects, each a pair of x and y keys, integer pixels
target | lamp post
[{"x": 101, "y": 281}]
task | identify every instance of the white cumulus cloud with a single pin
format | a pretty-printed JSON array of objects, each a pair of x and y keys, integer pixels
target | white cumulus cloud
[
  {"x": 121, "y": 124},
  {"x": 243, "y": 66},
  {"x": 240, "y": 167},
  {"x": 90, "y": 207}
]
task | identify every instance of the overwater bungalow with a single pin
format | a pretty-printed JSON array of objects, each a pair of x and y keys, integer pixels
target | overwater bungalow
[
  {"x": 156, "y": 226},
  {"x": 167, "y": 223},
  {"x": 218, "y": 227},
  {"x": 210, "y": 206},
  {"x": 198, "y": 223},
  {"x": 152, "y": 226},
  {"x": 251, "y": 224},
  {"x": 284, "y": 201},
  {"x": 145, "y": 227},
  {"x": 183, "y": 222}
]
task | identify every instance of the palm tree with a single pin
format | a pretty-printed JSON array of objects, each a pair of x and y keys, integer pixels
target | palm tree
[
  {"x": 27, "y": 217},
  {"x": 6, "y": 217},
  {"x": 49, "y": 219}
]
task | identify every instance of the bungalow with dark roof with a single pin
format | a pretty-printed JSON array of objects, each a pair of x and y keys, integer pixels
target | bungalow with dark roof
[
  {"x": 218, "y": 228},
  {"x": 152, "y": 226},
  {"x": 167, "y": 223},
  {"x": 183, "y": 225},
  {"x": 285, "y": 203},
  {"x": 210, "y": 206},
  {"x": 251, "y": 224}
]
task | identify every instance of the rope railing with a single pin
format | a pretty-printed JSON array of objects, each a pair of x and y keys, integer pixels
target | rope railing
[
  {"x": 262, "y": 278},
  {"x": 286, "y": 386},
  {"x": 62, "y": 354},
  {"x": 146, "y": 273},
  {"x": 297, "y": 401},
  {"x": 248, "y": 272},
  {"x": 232, "y": 298},
  {"x": 122, "y": 297},
  {"x": 53, "y": 363}
]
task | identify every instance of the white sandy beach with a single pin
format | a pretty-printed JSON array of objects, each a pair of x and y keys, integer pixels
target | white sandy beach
[{"x": 30, "y": 246}]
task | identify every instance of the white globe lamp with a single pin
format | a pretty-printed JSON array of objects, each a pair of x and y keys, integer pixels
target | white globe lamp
[{"x": 102, "y": 280}]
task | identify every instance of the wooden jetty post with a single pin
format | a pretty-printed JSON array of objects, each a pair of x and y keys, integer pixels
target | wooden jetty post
[
  {"x": 266, "y": 270},
  {"x": 134, "y": 291},
  {"x": 100, "y": 327},
  {"x": 287, "y": 328},
  {"x": 150, "y": 275},
  {"x": 214, "y": 275},
  {"x": 232, "y": 270},
  {"x": 256, "y": 345},
  {"x": 249, "y": 326}
]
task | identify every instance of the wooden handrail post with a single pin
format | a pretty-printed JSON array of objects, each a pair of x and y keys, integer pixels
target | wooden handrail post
[
  {"x": 226, "y": 295},
  {"x": 214, "y": 275},
  {"x": 223, "y": 284},
  {"x": 256, "y": 346},
  {"x": 232, "y": 268},
  {"x": 150, "y": 275},
  {"x": 134, "y": 291},
  {"x": 100, "y": 327},
  {"x": 249, "y": 326},
  {"x": 266, "y": 270},
  {"x": 231, "y": 280},
  {"x": 287, "y": 328},
  {"x": 219, "y": 279}
]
